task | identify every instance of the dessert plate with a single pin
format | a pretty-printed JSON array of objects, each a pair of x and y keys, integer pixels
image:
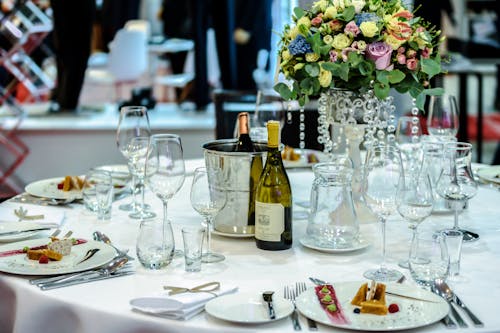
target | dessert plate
[
  {"x": 247, "y": 308},
  {"x": 18, "y": 226},
  {"x": 411, "y": 314},
  {"x": 490, "y": 174},
  {"x": 303, "y": 162},
  {"x": 226, "y": 234},
  {"x": 47, "y": 188},
  {"x": 20, "y": 264},
  {"x": 118, "y": 171},
  {"x": 309, "y": 243}
]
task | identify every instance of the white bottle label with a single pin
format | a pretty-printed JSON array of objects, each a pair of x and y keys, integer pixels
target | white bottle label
[{"x": 269, "y": 221}]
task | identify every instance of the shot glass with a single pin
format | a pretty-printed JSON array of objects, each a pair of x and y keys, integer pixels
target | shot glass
[
  {"x": 453, "y": 239},
  {"x": 193, "y": 245},
  {"x": 429, "y": 259},
  {"x": 97, "y": 193},
  {"x": 155, "y": 243}
]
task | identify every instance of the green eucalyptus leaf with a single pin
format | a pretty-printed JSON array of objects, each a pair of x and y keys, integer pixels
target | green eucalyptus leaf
[
  {"x": 348, "y": 13},
  {"x": 366, "y": 68},
  {"x": 381, "y": 90},
  {"x": 312, "y": 69},
  {"x": 283, "y": 90},
  {"x": 396, "y": 76},
  {"x": 430, "y": 67},
  {"x": 343, "y": 71},
  {"x": 299, "y": 12},
  {"x": 383, "y": 77}
]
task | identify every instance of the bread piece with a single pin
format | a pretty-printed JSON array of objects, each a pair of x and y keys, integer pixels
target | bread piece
[
  {"x": 374, "y": 307},
  {"x": 67, "y": 184},
  {"x": 62, "y": 246},
  {"x": 53, "y": 255},
  {"x": 35, "y": 254},
  {"x": 360, "y": 295},
  {"x": 380, "y": 293}
]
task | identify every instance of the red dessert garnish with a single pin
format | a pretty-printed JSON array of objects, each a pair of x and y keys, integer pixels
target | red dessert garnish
[
  {"x": 333, "y": 310},
  {"x": 393, "y": 308},
  {"x": 43, "y": 260}
]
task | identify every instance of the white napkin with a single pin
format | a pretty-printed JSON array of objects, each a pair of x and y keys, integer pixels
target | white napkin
[
  {"x": 51, "y": 215},
  {"x": 181, "y": 306}
]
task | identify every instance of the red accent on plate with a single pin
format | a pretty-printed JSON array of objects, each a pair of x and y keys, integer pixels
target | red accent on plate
[
  {"x": 21, "y": 251},
  {"x": 338, "y": 316}
]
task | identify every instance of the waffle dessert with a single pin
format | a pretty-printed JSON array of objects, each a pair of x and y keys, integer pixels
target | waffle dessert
[
  {"x": 37, "y": 254},
  {"x": 71, "y": 183},
  {"x": 371, "y": 300}
]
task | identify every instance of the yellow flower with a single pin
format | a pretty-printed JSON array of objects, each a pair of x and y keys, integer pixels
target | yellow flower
[
  {"x": 312, "y": 57},
  {"x": 299, "y": 66},
  {"x": 328, "y": 39},
  {"x": 330, "y": 12},
  {"x": 321, "y": 5},
  {"x": 341, "y": 41},
  {"x": 361, "y": 45},
  {"x": 305, "y": 21},
  {"x": 368, "y": 29},
  {"x": 285, "y": 55},
  {"x": 393, "y": 41},
  {"x": 292, "y": 34},
  {"x": 358, "y": 5},
  {"x": 325, "y": 78}
]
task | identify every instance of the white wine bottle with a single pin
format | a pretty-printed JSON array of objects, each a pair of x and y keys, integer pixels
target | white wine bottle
[{"x": 273, "y": 198}]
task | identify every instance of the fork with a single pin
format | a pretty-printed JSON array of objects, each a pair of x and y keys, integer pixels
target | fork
[
  {"x": 300, "y": 287},
  {"x": 289, "y": 293}
]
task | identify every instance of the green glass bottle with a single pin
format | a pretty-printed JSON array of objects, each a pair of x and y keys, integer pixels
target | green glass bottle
[{"x": 273, "y": 198}]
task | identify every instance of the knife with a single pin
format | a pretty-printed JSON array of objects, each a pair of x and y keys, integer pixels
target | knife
[
  {"x": 268, "y": 297},
  {"x": 85, "y": 280},
  {"x": 9, "y": 233},
  {"x": 392, "y": 293}
]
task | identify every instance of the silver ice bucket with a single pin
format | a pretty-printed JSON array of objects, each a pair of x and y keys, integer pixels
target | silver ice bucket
[{"x": 235, "y": 166}]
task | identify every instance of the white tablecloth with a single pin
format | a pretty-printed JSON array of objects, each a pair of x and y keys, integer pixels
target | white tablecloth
[{"x": 103, "y": 306}]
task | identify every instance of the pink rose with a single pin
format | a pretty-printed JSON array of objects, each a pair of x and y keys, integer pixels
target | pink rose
[
  {"x": 401, "y": 49},
  {"x": 412, "y": 64},
  {"x": 335, "y": 25},
  {"x": 401, "y": 59},
  {"x": 333, "y": 56},
  {"x": 316, "y": 21},
  {"x": 426, "y": 52},
  {"x": 351, "y": 29},
  {"x": 380, "y": 53}
]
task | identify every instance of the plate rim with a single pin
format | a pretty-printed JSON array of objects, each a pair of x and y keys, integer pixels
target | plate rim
[
  {"x": 229, "y": 235},
  {"x": 486, "y": 169},
  {"x": 247, "y": 295},
  {"x": 21, "y": 236},
  {"x": 101, "y": 258},
  {"x": 354, "y": 285},
  {"x": 363, "y": 240}
]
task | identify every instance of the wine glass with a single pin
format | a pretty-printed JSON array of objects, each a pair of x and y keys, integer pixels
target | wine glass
[
  {"x": 208, "y": 201},
  {"x": 414, "y": 202},
  {"x": 382, "y": 173},
  {"x": 165, "y": 170},
  {"x": 442, "y": 120},
  {"x": 456, "y": 183},
  {"x": 408, "y": 134},
  {"x": 133, "y": 122},
  {"x": 138, "y": 152},
  {"x": 268, "y": 106}
]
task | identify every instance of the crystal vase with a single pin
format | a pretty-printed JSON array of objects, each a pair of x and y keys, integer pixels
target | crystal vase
[{"x": 349, "y": 121}]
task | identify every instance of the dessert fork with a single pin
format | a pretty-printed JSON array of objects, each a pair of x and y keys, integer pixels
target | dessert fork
[
  {"x": 289, "y": 293},
  {"x": 300, "y": 287}
]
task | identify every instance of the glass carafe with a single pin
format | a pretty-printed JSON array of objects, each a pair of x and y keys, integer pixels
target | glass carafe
[{"x": 332, "y": 220}]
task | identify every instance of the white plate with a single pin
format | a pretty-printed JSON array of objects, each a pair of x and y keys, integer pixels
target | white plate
[
  {"x": 20, "y": 264},
  {"x": 411, "y": 313},
  {"x": 247, "y": 308},
  {"x": 303, "y": 162},
  {"x": 18, "y": 226},
  {"x": 309, "y": 243},
  {"x": 225, "y": 234},
  {"x": 47, "y": 188},
  {"x": 118, "y": 171},
  {"x": 490, "y": 174}
]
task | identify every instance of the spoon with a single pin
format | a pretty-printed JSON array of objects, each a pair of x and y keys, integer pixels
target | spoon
[
  {"x": 437, "y": 287},
  {"x": 268, "y": 297},
  {"x": 469, "y": 236},
  {"x": 100, "y": 237},
  {"x": 449, "y": 295},
  {"x": 107, "y": 270}
]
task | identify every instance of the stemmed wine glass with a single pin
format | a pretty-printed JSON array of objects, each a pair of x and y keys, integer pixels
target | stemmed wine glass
[
  {"x": 268, "y": 106},
  {"x": 382, "y": 173},
  {"x": 165, "y": 169},
  {"x": 456, "y": 183},
  {"x": 133, "y": 122},
  {"x": 414, "y": 202},
  {"x": 442, "y": 120},
  {"x": 208, "y": 201}
]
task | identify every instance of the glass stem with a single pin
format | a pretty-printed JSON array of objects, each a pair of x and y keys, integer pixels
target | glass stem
[
  {"x": 208, "y": 221},
  {"x": 134, "y": 197},
  {"x": 165, "y": 203},
  {"x": 383, "y": 265},
  {"x": 455, "y": 220}
]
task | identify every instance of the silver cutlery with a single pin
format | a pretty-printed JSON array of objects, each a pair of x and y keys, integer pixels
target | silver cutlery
[
  {"x": 435, "y": 288},
  {"x": 449, "y": 295},
  {"x": 9, "y": 233},
  {"x": 29, "y": 199},
  {"x": 109, "y": 268},
  {"x": 268, "y": 298},
  {"x": 300, "y": 287},
  {"x": 50, "y": 286},
  {"x": 289, "y": 293},
  {"x": 100, "y": 237},
  {"x": 90, "y": 253}
]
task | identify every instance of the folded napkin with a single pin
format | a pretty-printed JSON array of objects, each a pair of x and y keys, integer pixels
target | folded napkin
[
  {"x": 41, "y": 214},
  {"x": 179, "y": 306}
]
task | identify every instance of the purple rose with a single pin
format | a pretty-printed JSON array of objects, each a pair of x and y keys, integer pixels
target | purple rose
[{"x": 380, "y": 53}]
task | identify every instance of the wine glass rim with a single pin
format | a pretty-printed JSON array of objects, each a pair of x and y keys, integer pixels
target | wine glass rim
[
  {"x": 165, "y": 135},
  {"x": 133, "y": 107}
]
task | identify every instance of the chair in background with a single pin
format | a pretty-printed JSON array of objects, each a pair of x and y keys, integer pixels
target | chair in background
[{"x": 127, "y": 62}]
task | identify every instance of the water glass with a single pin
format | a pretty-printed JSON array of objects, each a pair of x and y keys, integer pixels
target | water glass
[
  {"x": 97, "y": 192},
  {"x": 429, "y": 258},
  {"x": 155, "y": 243},
  {"x": 193, "y": 245},
  {"x": 453, "y": 239}
]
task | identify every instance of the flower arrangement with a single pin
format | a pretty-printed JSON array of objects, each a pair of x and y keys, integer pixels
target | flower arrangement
[{"x": 356, "y": 44}]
